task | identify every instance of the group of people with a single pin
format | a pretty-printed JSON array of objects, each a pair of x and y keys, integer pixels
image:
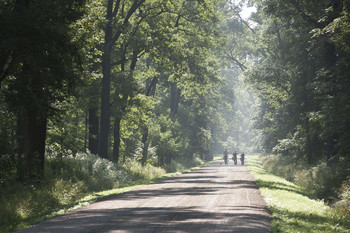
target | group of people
[{"x": 234, "y": 157}]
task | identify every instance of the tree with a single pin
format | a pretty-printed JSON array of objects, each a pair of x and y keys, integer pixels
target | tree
[
  {"x": 117, "y": 21},
  {"x": 39, "y": 67}
]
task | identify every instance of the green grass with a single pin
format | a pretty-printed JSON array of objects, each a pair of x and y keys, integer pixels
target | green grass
[{"x": 291, "y": 209}]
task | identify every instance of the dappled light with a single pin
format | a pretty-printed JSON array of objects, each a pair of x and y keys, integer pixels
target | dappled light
[
  {"x": 98, "y": 97},
  {"x": 210, "y": 199}
]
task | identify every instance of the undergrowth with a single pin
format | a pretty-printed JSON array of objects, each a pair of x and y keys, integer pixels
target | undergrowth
[
  {"x": 67, "y": 180},
  {"x": 315, "y": 182},
  {"x": 182, "y": 164}
]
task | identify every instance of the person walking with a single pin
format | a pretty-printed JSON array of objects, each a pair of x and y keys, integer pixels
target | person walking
[
  {"x": 242, "y": 158},
  {"x": 226, "y": 157},
  {"x": 234, "y": 157}
]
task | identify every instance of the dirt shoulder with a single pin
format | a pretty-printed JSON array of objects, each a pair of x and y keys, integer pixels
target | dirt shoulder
[{"x": 215, "y": 198}]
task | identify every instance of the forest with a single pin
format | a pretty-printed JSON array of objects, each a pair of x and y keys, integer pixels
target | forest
[{"x": 95, "y": 94}]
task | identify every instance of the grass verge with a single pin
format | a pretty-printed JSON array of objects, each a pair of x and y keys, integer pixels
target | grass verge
[
  {"x": 291, "y": 209},
  {"x": 14, "y": 221}
]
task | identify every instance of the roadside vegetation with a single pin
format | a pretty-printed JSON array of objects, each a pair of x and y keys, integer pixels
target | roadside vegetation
[
  {"x": 167, "y": 83},
  {"x": 71, "y": 182},
  {"x": 293, "y": 207}
]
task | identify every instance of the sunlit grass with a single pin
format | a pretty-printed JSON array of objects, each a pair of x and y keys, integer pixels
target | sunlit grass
[{"x": 292, "y": 211}]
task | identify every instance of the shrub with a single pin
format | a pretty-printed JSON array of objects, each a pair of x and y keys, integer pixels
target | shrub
[
  {"x": 7, "y": 168},
  {"x": 284, "y": 166},
  {"x": 319, "y": 181},
  {"x": 94, "y": 172},
  {"x": 67, "y": 179},
  {"x": 65, "y": 191},
  {"x": 137, "y": 171},
  {"x": 174, "y": 166},
  {"x": 182, "y": 163},
  {"x": 24, "y": 201},
  {"x": 340, "y": 211}
]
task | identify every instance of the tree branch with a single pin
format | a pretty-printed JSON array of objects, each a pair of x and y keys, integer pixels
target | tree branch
[
  {"x": 116, "y": 8},
  {"x": 245, "y": 23},
  {"x": 305, "y": 16},
  {"x": 133, "y": 8},
  {"x": 240, "y": 64}
]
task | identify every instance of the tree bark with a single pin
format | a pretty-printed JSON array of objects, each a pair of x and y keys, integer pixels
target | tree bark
[
  {"x": 110, "y": 40},
  {"x": 93, "y": 130},
  {"x": 106, "y": 86},
  {"x": 32, "y": 121},
  {"x": 151, "y": 85},
  {"x": 175, "y": 94},
  {"x": 116, "y": 143},
  {"x": 34, "y": 144},
  {"x": 144, "y": 145}
]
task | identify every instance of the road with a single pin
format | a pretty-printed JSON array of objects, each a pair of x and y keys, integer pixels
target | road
[{"x": 216, "y": 198}]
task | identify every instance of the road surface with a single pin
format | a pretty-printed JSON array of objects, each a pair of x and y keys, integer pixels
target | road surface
[{"x": 216, "y": 198}]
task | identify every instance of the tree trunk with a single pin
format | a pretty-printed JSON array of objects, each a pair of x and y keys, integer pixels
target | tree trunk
[
  {"x": 34, "y": 144},
  {"x": 93, "y": 130},
  {"x": 116, "y": 144},
  {"x": 110, "y": 40},
  {"x": 20, "y": 147},
  {"x": 175, "y": 94},
  {"x": 31, "y": 136},
  {"x": 32, "y": 121},
  {"x": 151, "y": 85},
  {"x": 106, "y": 87},
  {"x": 308, "y": 144},
  {"x": 144, "y": 145}
]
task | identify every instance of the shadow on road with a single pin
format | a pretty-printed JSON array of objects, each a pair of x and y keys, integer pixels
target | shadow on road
[
  {"x": 211, "y": 199},
  {"x": 159, "y": 220}
]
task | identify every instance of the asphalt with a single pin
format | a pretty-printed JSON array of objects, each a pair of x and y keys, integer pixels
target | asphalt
[{"x": 216, "y": 198}]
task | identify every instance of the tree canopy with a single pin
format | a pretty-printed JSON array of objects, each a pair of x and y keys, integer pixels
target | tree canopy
[{"x": 161, "y": 80}]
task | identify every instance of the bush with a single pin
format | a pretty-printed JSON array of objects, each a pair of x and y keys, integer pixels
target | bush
[
  {"x": 174, "y": 166},
  {"x": 7, "y": 168},
  {"x": 320, "y": 181},
  {"x": 340, "y": 211},
  {"x": 67, "y": 179},
  {"x": 284, "y": 166},
  {"x": 137, "y": 171},
  {"x": 65, "y": 191},
  {"x": 96, "y": 173},
  {"x": 182, "y": 163},
  {"x": 26, "y": 201}
]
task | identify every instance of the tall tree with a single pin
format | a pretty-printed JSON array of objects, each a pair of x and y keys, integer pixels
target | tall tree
[
  {"x": 40, "y": 68},
  {"x": 118, "y": 14}
]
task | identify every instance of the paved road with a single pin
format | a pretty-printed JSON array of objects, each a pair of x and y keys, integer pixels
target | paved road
[{"x": 215, "y": 198}]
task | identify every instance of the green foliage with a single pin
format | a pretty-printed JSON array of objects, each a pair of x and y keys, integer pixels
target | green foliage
[
  {"x": 139, "y": 172},
  {"x": 168, "y": 139},
  {"x": 319, "y": 181},
  {"x": 301, "y": 74},
  {"x": 285, "y": 167},
  {"x": 50, "y": 55},
  {"x": 7, "y": 168},
  {"x": 67, "y": 180},
  {"x": 291, "y": 209},
  {"x": 341, "y": 209},
  {"x": 180, "y": 164},
  {"x": 67, "y": 128},
  {"x": 96, "y": 173}
]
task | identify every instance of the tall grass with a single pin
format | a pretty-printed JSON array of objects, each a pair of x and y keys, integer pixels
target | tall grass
[
  {"x": 72, "y": 181},
  {"x": 320, "y": 181},
  {"x": 181, "y": 164},
  {"x": 67, "y": 180},
  {"x": 291, "y": 207}
]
